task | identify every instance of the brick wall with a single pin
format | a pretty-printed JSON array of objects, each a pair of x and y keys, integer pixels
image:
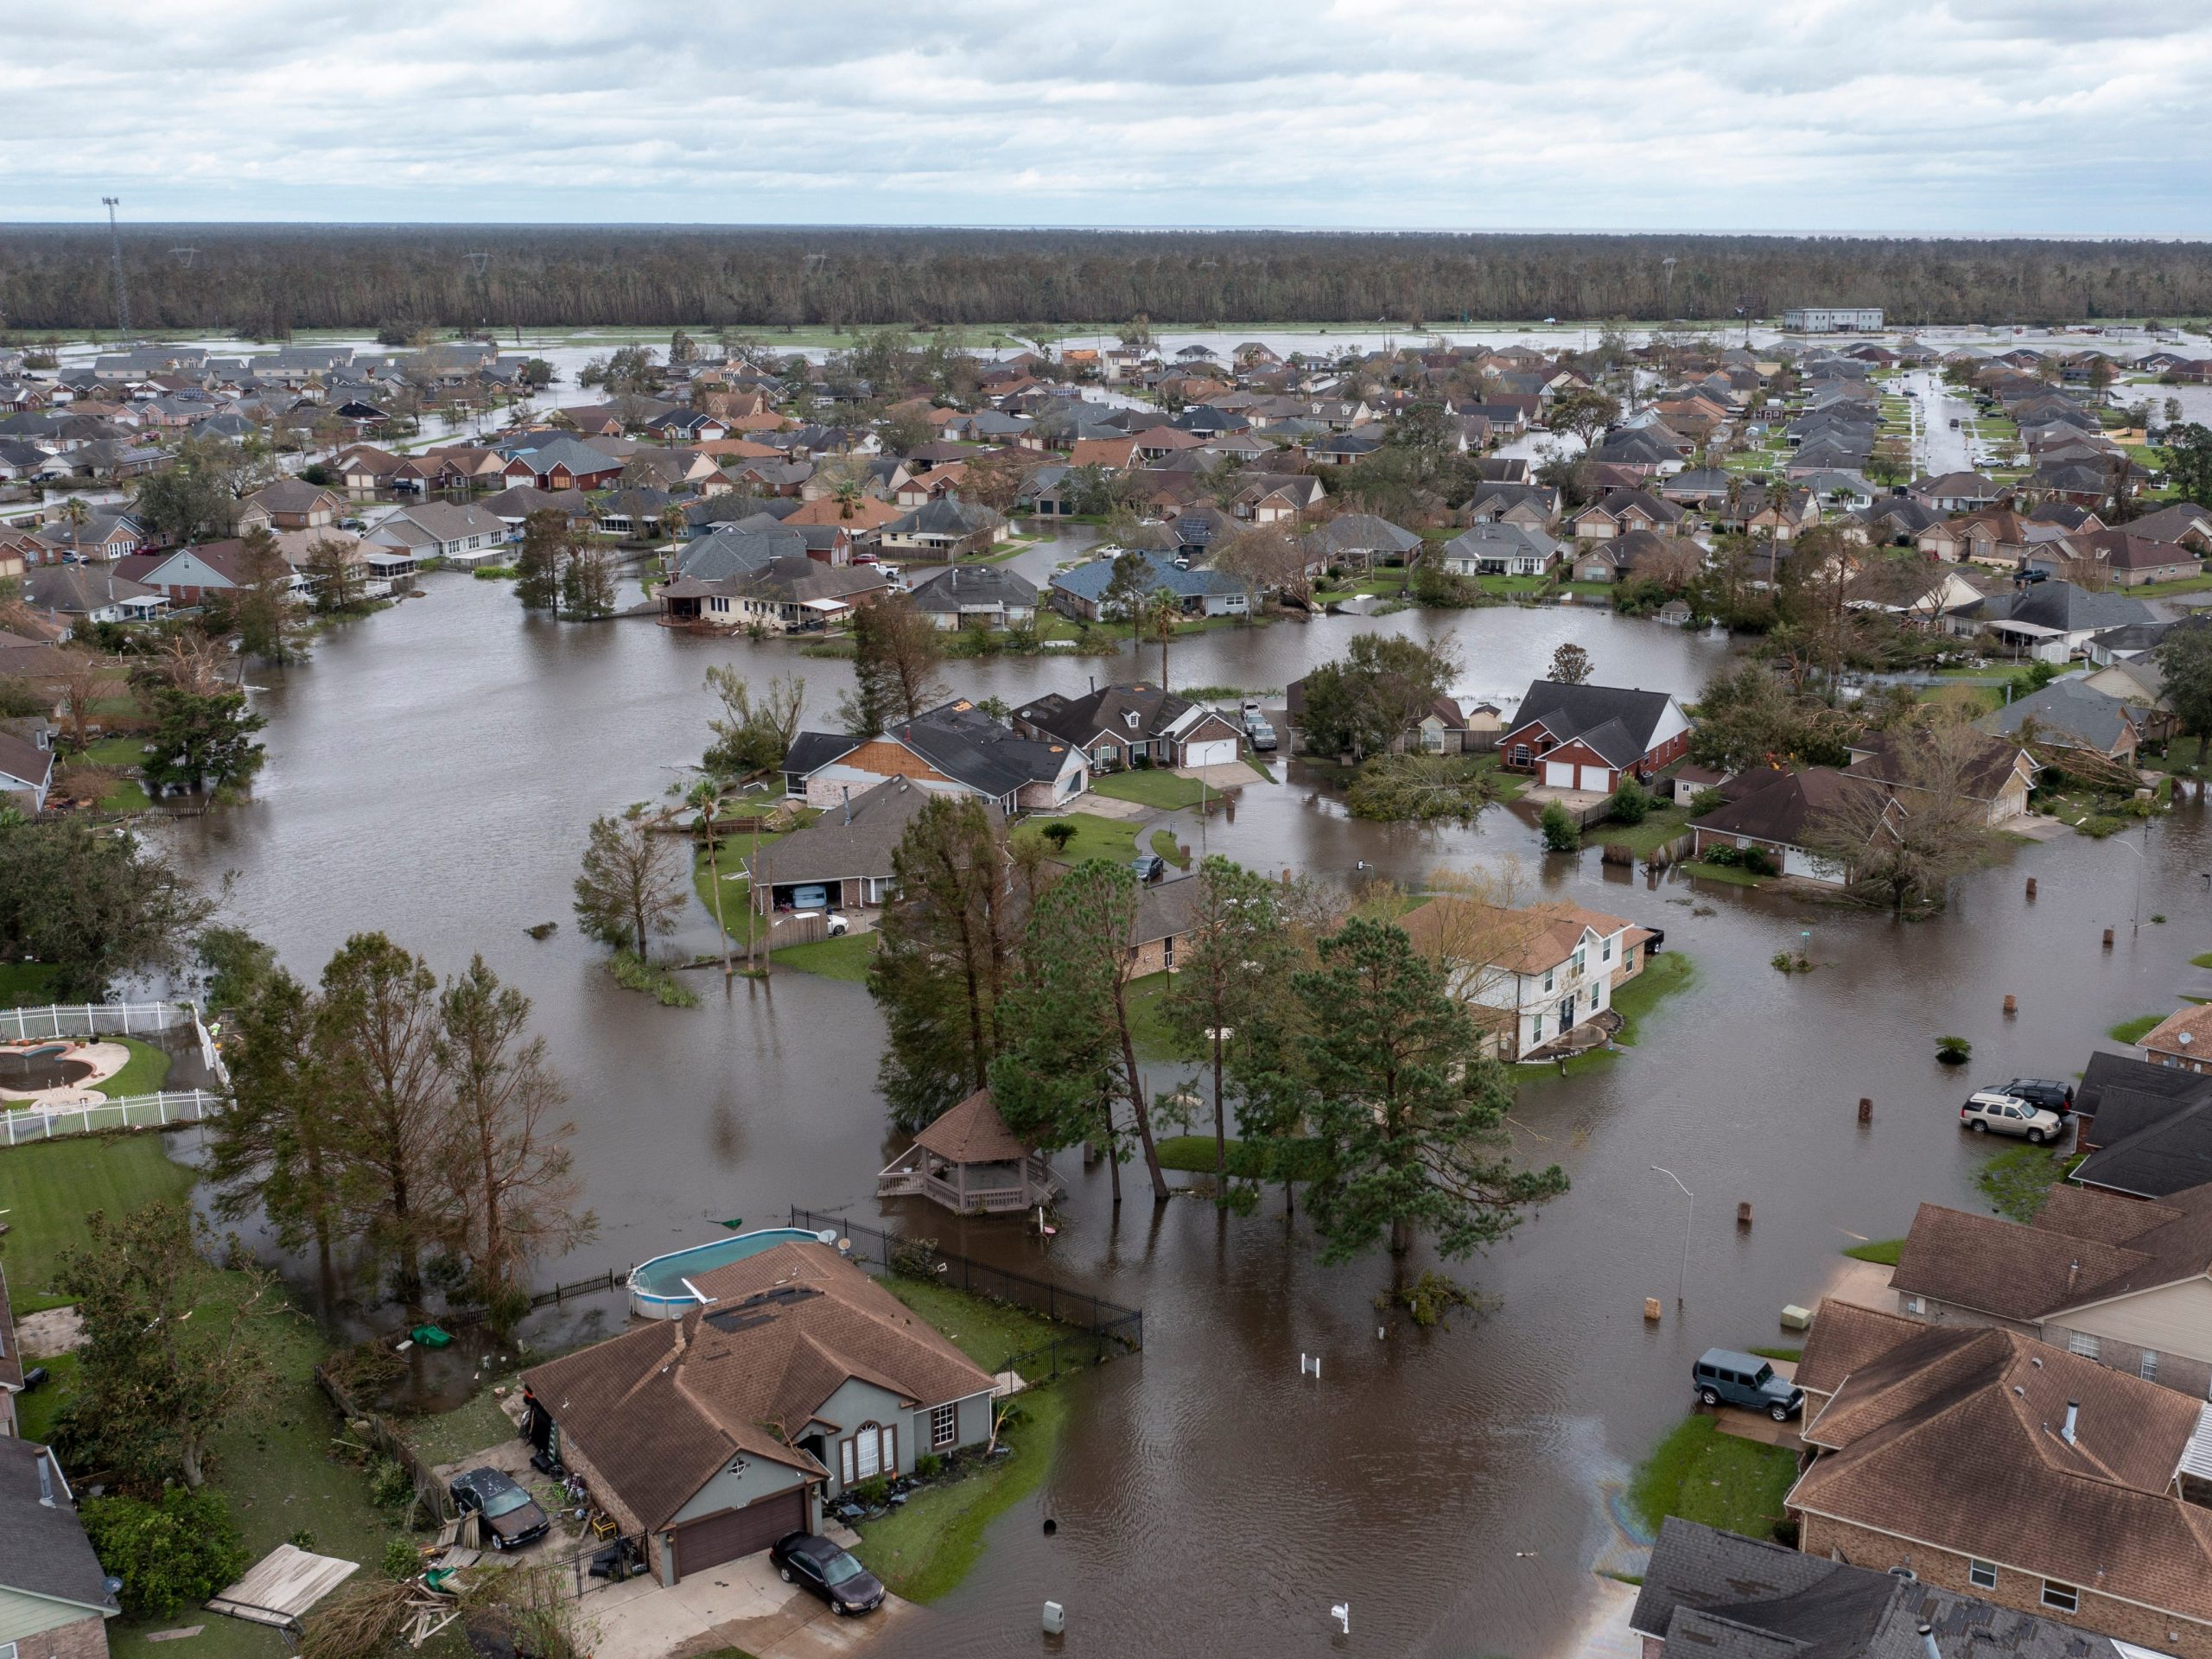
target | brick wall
[
  {"x": 83, "y": 1638},
  {"x": 2123, "y": 1621}
]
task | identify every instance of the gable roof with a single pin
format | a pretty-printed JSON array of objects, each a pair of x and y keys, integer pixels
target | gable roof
[
  {"x": 1615, "y": 722},
  {"x": 1736, "y": 1598},
  {"x": 46, "y": 1552},
  {"x": 856, "y": 838},
  {"x": 660, "y": 1410},
  {"x": 966, "y": 744},
  {"x": 1918, "y": 1441}
]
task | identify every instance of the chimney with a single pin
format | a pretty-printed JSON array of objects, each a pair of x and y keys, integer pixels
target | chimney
[
  {"x": 2073, "y": 1417},
  {"x": 846, "y": 791},
  {"x": 45, "y": 1481},
  {"x": 2073, "y": 1274},
  {"x": 1928, "y": 1648}
]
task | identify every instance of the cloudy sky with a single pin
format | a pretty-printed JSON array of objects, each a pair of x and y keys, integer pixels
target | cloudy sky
[{"x": 2026, "y": 115}]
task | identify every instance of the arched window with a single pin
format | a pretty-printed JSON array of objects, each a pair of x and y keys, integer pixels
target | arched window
[{"x": 869, "y": 1451}]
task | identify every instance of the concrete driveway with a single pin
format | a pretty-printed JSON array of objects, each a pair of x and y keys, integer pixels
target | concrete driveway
[{"x": 742, "y": 1604}]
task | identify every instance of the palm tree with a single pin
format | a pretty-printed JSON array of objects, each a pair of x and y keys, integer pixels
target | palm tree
[
  {"x": 76, "y": 514},
  {"x": 1162, "y": 615},
  {"x": 706, "y": 797}
]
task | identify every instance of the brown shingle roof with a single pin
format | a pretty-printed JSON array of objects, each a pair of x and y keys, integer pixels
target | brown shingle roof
[
  {"x": 658, "y": 1409},
  {"x": 1529, "y": 941},
  {"x": 1953, "y": 1438},
  {"x": 972, "y": 1133},
  {"x": 1845, "y": 1336},
  {"x": 2002, "y": 1267}
]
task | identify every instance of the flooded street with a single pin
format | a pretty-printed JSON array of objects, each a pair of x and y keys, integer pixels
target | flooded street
[{"x": 432, "y": 771}]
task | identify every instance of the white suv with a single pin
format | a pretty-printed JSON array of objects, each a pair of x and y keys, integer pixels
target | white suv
[{"x": 1993, "y": 1109}]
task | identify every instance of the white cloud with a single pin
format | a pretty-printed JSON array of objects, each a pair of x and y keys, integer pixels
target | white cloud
[{"x": 2012, "y": 114}]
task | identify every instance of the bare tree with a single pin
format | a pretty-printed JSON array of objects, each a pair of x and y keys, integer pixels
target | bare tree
[
  {"x": 1905, "y": 839},
  {"x": 1268, "y": 559},
  {"x": 510, "y": 1176},
  {"x": 630, "y": 889}
]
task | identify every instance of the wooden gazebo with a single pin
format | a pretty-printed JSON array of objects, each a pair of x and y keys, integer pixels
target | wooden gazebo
[{"x": 969, "y": 1161}]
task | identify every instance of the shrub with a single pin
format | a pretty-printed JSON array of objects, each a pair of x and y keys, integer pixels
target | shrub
[
  {"x": 915, "y": 1258},
  {"x": 1561, "y": 833},
  {"x": 1707, "y": 800},
  {"x": 1953, "y": 1051},
  {"x": 871, "y": 1492},
  {"x": 402, "y": 1561},
  {"x": 1631, "y": 802},
  {"x": 1430, "y": 1299},
  {"x": 184, "y": 1548},
  {"x": 1726, "y": 857},
  {"x": 1059, "y": 834},
  {"x": 928, "y": 1466},
  {"x": 391, "y": 1487},
  {"x": 1759, "y": 861}
]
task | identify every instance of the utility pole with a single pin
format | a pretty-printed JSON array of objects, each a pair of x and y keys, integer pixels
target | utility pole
[{"x": 115, "y": 253}]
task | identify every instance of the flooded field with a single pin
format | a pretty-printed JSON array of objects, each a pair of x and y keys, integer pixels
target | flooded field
[{"x": 431, "y": 773}]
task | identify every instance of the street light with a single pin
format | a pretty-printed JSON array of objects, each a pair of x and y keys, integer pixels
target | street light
[
  {"x": 1681, "y": 1285},
  {"x": 2140, "y": 860}
]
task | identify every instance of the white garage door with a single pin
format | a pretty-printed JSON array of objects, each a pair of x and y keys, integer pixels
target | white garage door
[
  {"x": 1219, "y": 752},
  {"x": 1599, "y": 778},
  {"x": 1559, "y": 774}
]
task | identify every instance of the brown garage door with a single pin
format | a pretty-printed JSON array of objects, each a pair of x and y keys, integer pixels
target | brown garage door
[{"x": 733, "y": 1533}]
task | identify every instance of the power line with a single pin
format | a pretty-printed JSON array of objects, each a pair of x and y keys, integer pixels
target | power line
[{"x": 115, "y": 248}]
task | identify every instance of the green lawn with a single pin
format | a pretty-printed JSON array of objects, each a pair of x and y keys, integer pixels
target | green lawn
[
  {"x": 2204, "y": 960},
  {"x": 143, "y": 1073},
  {"x": 1259, "y": 765},
  {"x": 1164, "y": 843},
  {"x": 2131, "y": 1031},
  {"x": 1095, "y": 837},
  {"x": 273, "y": 1464},
  {"x": 2196, "y": 584},
  {"x": 924, "y": 1550},
  {"x": 47, "y": 1190},
  {"x": 1148, "y": 1018},
  {"x": 127, "y": 794},
  {"x": 845, "y": 957},
  {"x": 1168, "y": 791},
  {"x": 1730, "y": 874},
  {"x": 448, "y": 1436},
  {"x": 1883, "y": 1252},
  {"x": 1662, "y": 824},
  {"x": 1700, "y": 1474}
]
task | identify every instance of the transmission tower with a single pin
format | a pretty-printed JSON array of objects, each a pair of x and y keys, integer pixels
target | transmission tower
[
  {"x": 478, "y": 262},
  {"x": 115, "y": 249},
  {"x": 1669, "y": 261},
  {"x": 184, "y": 257}
]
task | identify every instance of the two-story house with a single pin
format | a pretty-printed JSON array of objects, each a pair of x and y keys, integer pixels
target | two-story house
[{"x": 1530, "y": 977}]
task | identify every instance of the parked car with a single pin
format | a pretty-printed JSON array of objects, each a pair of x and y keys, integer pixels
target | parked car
[
  {"x": 2049, "y": 1093},
  {"x": 512, "y": 1517},
  {"x": 839, "y": 925},
  {"x": 1724, "y": 1378},
  {"x": 814, "y": 1563},
  {"x": 1262, "y": 735},
  {"x": 1149, "y": 867},
  {"x": 1989, "y": 1110}
]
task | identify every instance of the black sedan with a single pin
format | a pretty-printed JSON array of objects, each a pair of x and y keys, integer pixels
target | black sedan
[
  {"x": 511, "y": 1517},
  {"x": 812, "y": 1561}
]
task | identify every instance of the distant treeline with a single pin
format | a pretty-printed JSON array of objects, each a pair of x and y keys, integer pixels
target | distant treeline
[{"x": 270, "y": 280}]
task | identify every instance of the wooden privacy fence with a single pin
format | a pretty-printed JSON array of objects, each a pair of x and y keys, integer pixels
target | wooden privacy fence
[
  {"x": 430, "y": 1490},
  {"x": 157, "y": 1111}
]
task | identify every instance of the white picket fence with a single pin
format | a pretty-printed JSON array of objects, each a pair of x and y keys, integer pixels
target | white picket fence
[
  {"x": 19, "y": 1128},
  {"x": 93, "y": 1019},
  {"x": 61, "y": 1019}
]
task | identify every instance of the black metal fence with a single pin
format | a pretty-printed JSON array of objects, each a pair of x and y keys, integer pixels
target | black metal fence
[{"x": 1102, "y": 1330}]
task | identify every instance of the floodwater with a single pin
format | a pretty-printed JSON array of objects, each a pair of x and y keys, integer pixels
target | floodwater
[{"x": 431, "y": 773}]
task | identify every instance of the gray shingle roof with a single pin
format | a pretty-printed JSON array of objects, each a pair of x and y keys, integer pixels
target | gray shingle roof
[{"x": 46, "y": 1552}]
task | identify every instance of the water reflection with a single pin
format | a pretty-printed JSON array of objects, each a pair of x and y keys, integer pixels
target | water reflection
[{"x": 431, "y": 773}]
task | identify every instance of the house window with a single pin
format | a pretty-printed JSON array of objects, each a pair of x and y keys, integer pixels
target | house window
[
  {"x": 944, "y": 1426},
  {"x": 2081, "y": 1343},
  {"x": 1982, "y": 1574},
  {"x": 1578, "y": 962},
  {"x": 1549, "y": 975},
  {"x": 1915, "y": 1304},
  {"x": 2064, "y": 1597},
  {"x": 1606, "y": 950},
  {"x": 874, "y": 1451},
  {"x": 2149, "y": 1365},
  {"x": 1520, "y": 756},
  {"x": 1167, "y": 953}
]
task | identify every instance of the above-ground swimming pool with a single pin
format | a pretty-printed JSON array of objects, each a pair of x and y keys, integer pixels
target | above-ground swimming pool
[{"x": 657, "y": 1288}]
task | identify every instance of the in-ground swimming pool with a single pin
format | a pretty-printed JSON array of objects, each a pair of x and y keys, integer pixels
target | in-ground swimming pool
[{"x": 657, "y": 1289}]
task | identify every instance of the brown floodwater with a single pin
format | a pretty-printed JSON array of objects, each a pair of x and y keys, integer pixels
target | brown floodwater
[{"x": 431, "y": 773}]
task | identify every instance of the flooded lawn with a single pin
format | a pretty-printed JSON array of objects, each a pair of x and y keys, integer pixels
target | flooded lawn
[{"x": 431, "y": 773}]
